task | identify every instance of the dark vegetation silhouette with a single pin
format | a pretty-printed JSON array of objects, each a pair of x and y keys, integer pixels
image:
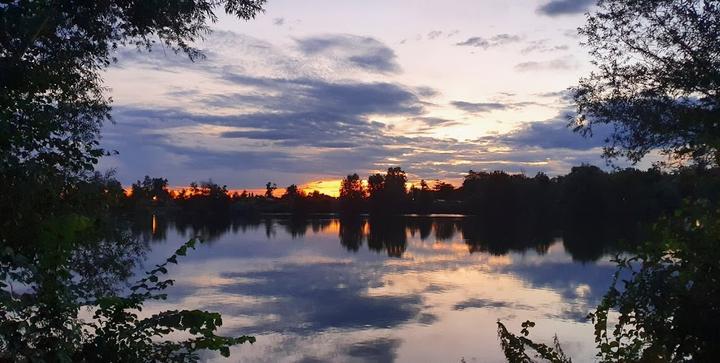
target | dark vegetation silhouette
[
  {"x": 656, "y": 86},
  {"x": 584, "y": 197},
  {"x": 63, "y": 249},
  {"x": 656, "y": 80}
]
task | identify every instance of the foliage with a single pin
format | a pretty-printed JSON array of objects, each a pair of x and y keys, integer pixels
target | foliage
[
  {"x": 514, "y": 347},
  {"x": 52, "y": 101},
  {"x": 663, "y": 303},
  {"x": 388, "y": 194},
  {"x": 270, "y": 189},
  {"x": 58, "y": 244},
  {"x": 150, "y": 189},
  {"x": 352, "y": 194},
  {"x": 666, "y": 295},
  {"x": 421, "y": 198},
  {"x": 656, "y": 78},
  {"x": 42, "y": 323},
  {"x": 295, "y": 199}
]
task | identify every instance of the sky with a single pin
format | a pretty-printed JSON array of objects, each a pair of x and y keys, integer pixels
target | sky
[{"x": 308, "y": 92}]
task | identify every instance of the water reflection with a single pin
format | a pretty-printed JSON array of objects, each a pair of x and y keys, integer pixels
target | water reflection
[
  {"x": 585, "y": 242},
  {"x": 401, "y": 289}
]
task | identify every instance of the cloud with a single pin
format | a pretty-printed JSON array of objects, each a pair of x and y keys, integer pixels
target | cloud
[
  {"x": 481, "y": 303},
  {"x": 550, "y": 134},
  {"x": 571, "y": 33},
  {"x": 425, "y": 91},
  {"x": 346, "y": 98},
  {"x": 434, "y": 34},
  {"x": 381, "y": 350},
  {"x": 435, "y": 121},
  {"x": 482, "y": 107},
  {"x": 557, "y": 64},
  {"x": 275, "y": 113},
  {"x": 565, "y": 7},
  {"x": 363, "y": 52},
  {"x": 495, "y": 41},
  {"x": 426, "y": 124},
  {"x": 475, "y": 42},
  {"x": 554, "y": 94},
  {"x": 542, "y": 46},
  {"x": 478, "y": 107}
]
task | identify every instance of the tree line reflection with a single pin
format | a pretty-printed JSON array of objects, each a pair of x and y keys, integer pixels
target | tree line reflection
[{"x": 585, "y": 242}]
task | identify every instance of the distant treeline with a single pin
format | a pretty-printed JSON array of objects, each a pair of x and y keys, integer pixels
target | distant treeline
[
  {"x": 622, "y": 199},
  {"x": 585, "y": 192}
]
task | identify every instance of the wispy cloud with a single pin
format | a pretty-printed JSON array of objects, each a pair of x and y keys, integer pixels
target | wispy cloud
[
  {"x": 557, "y": 64},
  {"x": 485, "y": 43},
  {"x": 434, "y": 34},
  {"x": 478, "y": 107},
  {"x": 543, "y": 46},
  {"x": 483, "y": 107}
]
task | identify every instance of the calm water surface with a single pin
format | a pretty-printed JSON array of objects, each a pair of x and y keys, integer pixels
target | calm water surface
[{"x": 409, "y": 290}]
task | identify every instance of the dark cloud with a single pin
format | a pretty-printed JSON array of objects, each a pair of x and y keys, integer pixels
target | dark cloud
[
  {"x": 425, "y": 91},
  {"x": 282, "y": 145},
  {"x": 495, "y": 41},
  {"x": 478, "y": 107},
  {"x": 363, "y": 52},
  {"x": 551, "y": 134},
  {"x": 314, "y": 113},
  {"x": 475, "y": 42},
  {"x": 481, "y": 303},
  {"x": 381, "y": 350},
  {"x": 549, "y": 65},
  {"x": 482, "y": 107},
  {"x": 554, "y": 94},
  {"x": 565, "y": 7},
  {"x": 346, "y": 98}
]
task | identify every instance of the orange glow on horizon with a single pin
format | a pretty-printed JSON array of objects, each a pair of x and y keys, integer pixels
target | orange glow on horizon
[{"x": 329, "y": 187}]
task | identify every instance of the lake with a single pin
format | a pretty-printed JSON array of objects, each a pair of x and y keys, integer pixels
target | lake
[{"x": 410, "y": 289}]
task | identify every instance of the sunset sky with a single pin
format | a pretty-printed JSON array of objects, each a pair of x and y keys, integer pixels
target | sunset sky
[{"x": 315, "y": 90}]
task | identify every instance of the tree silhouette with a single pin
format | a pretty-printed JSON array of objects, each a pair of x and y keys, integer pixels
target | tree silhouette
[
  {"x": 352, "y": 194},
  {"x": 295, "y": 200},
  {"x": 422, "y": 198},
  {"x": 52, "y": 100},
  {"x": 656, "y": 80},
  {"x": 388, "y": 194},
  {"x": 270, "y": 189}
]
